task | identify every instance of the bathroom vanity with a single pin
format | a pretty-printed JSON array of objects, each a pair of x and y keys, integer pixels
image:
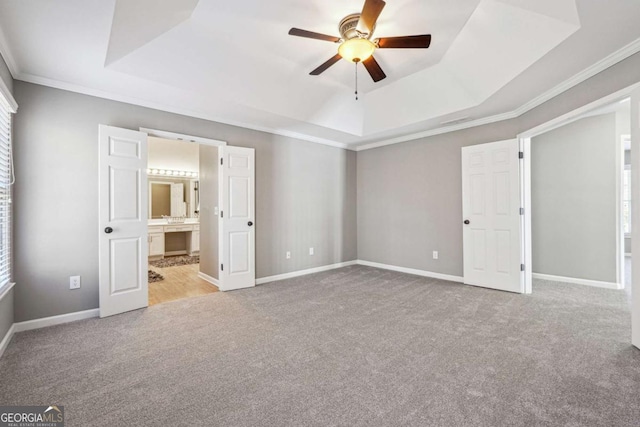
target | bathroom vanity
[{"x": 161, "y": 233}]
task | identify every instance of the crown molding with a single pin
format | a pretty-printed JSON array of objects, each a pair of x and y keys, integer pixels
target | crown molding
[
  {"x": 618, "y": 56},
  {"x": 8, "y": 56},
  {"x": 57, "y": 84},
  {"x": 437, "y": 131},
  {"x": 607, "y": 62},
  {"x": 580, "y": 112}
]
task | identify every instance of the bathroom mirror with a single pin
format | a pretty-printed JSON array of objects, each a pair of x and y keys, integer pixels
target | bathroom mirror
[
  {"x": 174, "y": 197},
  {"x": 159, "y": 199}
]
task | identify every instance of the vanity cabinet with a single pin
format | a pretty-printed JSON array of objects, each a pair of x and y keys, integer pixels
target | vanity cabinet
[
  {"x": 157, "y": 233},
  {"x": 156, "y": 244},
  {"x": 156, "y": 241}
]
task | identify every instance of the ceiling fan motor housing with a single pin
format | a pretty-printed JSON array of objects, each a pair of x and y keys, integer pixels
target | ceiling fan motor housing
[{"x": 348, "y": 26}]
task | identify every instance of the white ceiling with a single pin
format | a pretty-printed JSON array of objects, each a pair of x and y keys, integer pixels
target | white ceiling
[{"x": 234, "y": 62}]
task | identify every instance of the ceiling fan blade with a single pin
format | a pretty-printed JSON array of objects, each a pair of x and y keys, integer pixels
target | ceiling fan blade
[
  {"x": 311, "y": 35},
  {"x": 321, "y": 69},
  {"x": 374, "y": 69},
  {"x": 370, "y": 13},
  {"x": 405, "y": 42}
]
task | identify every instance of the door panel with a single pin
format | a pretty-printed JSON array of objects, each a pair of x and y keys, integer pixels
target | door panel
[
  {"x": 125, "y": 265},
  {"x": 491, "y": 205},
  {"x": 239, "y": 203},
  {"x": 123, "y": 190},
  {"x": 123, "y": 248},
  {"x": 237, "y": 249}
]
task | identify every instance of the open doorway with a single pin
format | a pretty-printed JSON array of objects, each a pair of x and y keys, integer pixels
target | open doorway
[
  {"x": 123, "y": 206},
  {"x": 579, "y": 206},
  {"x": 183, "y": 193}
]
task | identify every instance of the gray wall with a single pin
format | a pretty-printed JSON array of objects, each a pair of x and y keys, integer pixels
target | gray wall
[
  {"x": 305, "y": 195},
  {"x": 6, "y": 303},
  {"x": 573, "y": 200},
  {"x": 208, "y": 218},
  {"x": 410, "y": 194},
  {"x": 410, "y": 200}
]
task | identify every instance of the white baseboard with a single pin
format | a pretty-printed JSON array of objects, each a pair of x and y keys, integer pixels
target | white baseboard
[
  {"x": 7, "y": 337},
  {"x": 55, "y": 320},
  {"x": 577, "y": 281},
  {"x": 298, "y": 273},
  {"x": 413, "y": 271},
  {"x": 208, "y": 278}
]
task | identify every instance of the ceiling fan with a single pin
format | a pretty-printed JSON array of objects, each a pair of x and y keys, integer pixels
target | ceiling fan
[{"x": 356, "y": 44}]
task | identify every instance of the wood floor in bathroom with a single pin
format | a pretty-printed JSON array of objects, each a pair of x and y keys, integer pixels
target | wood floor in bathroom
[{"x": 179, "y": 282}]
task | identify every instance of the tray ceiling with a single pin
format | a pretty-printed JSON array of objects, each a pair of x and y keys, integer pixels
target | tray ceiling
[{"x": 234, "y": 62}]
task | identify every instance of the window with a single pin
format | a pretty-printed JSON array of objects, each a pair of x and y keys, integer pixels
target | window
[{"x": 6, "y": 181}]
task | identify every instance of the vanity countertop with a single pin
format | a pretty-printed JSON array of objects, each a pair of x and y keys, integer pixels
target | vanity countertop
[{"x": 190, "y": 221}]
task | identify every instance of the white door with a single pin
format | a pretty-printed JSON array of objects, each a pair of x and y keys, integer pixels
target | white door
[
  {"x": 635, "y": 218},
  {"x": 491, "y": 216},
  {"x": 122, "y": 220},
  {"x": 237, "y": 215}
]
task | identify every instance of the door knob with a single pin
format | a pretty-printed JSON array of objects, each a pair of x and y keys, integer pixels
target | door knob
[
  {"x": 108, "y": 230},
  {"x": 466, "y": 221},
  {"x": 249, "y": 223}
]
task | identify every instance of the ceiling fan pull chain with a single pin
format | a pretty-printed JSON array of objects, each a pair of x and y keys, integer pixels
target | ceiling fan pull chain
[{"x": 356, "y": 64}]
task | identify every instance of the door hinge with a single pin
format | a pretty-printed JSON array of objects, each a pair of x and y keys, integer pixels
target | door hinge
[
  {"x": 521, "y": 267},
  {"x": 221, "y": 214},
  {"x": 521, "y": 211},
  {"x": 221, "y": 161},
  {"x": 521, "y": 155},
  {"x": 222, "y": 267}
]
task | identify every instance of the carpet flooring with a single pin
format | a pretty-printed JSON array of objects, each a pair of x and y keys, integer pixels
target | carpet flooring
[{"x": 356, "y": 346}]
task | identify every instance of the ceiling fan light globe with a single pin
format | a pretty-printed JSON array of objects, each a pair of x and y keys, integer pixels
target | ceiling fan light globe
[{"x": 356, "y": 49}]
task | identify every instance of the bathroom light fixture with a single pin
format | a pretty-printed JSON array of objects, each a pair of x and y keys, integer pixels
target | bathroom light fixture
[{"x": 172, "y": 173}]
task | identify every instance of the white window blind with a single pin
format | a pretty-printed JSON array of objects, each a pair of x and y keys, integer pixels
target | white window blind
[{"x": 6, "y": 181}]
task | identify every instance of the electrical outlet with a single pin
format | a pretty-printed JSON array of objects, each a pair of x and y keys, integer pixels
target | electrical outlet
[
  {"x": 435, "y": 254},
  {"x": 288, "y": 255},
  {"x": 74, "y": 282},
  {"x": 311, "y": 251}
]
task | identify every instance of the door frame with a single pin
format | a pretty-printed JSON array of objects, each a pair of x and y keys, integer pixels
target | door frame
[
  {"x": 203, "y": 141},
  {"x": 525, "y": 146}
]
